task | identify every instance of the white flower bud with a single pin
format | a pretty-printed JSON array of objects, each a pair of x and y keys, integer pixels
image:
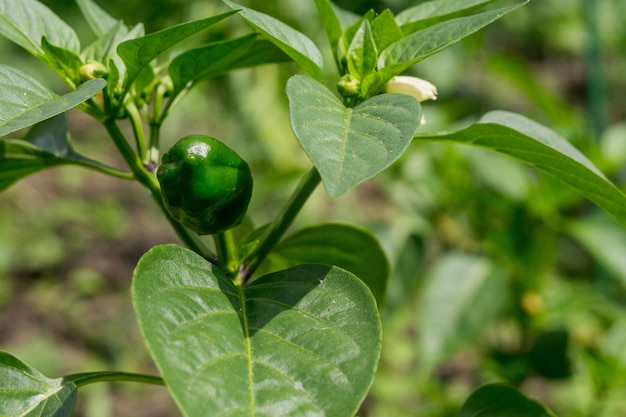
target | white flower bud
[{"x": 422, "y": 90}]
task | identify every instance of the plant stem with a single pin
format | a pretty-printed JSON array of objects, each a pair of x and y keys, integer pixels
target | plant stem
[
  {"x": 136, "y": 123},
  {"x": 278, "y": 228},
  {"x": 226, "y": 252},
  {"x": 146, "y": 178},
  {"x": 92, "y": 377},
  {"x": 105, "y": 169}
]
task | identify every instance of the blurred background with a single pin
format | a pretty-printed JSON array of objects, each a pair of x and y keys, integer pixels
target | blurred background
[{"x": 499, "y": 273}]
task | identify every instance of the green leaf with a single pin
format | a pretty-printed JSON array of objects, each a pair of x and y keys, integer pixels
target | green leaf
[
  {"x": 385, "y": 30},
  {"x": 295, "y": 44},
  {"x": 417, "y": 46},
  {"x": 19, "y": 159},
  {"x": 430, "y": 13},
  {"x": 362, "y": 54},
  {"x": 331, "y": 23},
  {"x": 25, "y": 392},
  {"x": 63, "y": 61},
  {"x": 46, "y": 145},
  {"x": 497, "y": 400},
  {"x": 350, "y": 145},
  {"x": 349, "y": 247},
  {"x": 454, "y": 307},
  {"x": 299, "y": 342},
  {"x": 25, "y": 22},
  {"x": 208, "y": 61},
  {"x": 24, "y": 101},
  {"x": 536, "y": 145},
  {"x": 138, "y": 53},
  {"x": 98, "y": 20},
  {"x": 605, "y": 240}
]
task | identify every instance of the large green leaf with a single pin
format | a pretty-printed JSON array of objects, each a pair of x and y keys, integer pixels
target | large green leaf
[
  {"x": 350, "y": 145},
  {"x": 432, "y": 12},
  {"x": 24, "y": 101},
  {"x": 300, "y": 342},
  {"x": 25, "y": 392},
  {"x": 417, "y": 46},
  {"x": 462, "y": 294},
  {"x": 346, "y": 246},
  {"x": 536, "y": 145},
  {"x": 25, "y": 22},
  {"x": 138, "y": 53},
  {"x": 498, "y": 400},
  {"x": 295, "y": 44}
]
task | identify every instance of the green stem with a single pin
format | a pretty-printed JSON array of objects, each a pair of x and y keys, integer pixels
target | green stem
[
  {"x": 278, "y": 228},
  {"x": 137, "y": 124},
  {"x": 146, "y": 178},
  {"x": 226, "y": 252},
  {"x": 111, "y": 376},
  {"x": 105, "y": 169}
]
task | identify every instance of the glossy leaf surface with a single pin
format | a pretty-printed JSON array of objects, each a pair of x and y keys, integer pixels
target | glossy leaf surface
[
  {"x": 295, "y": 44},
  {"x": 350, "y": 145},
  {"x": 24, "y": 101},
  {"x": 300, "y": 342},
  {"x": 25, "y": 392},
  {"x": 538, "y": 146},
  {"x": 342, "y": 245},
  {"x": 498, "y": 400}
]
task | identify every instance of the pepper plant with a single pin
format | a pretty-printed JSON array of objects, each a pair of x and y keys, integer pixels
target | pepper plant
[{"x": 227, "y": 339}]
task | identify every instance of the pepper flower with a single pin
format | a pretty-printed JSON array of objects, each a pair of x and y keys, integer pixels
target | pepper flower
[{"x": 422, "y": 90}]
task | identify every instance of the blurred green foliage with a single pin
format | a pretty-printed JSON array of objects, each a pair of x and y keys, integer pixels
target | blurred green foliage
[{"x": 553, "y": 321}]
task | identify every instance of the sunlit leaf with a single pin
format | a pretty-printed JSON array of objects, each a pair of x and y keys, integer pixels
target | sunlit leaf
[
  {"x": 350, "y": 145},
  {"x": 300, "y": 342}
]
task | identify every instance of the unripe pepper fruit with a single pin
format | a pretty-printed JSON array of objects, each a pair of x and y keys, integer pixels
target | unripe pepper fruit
[{"x": 206, "y": 185}]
